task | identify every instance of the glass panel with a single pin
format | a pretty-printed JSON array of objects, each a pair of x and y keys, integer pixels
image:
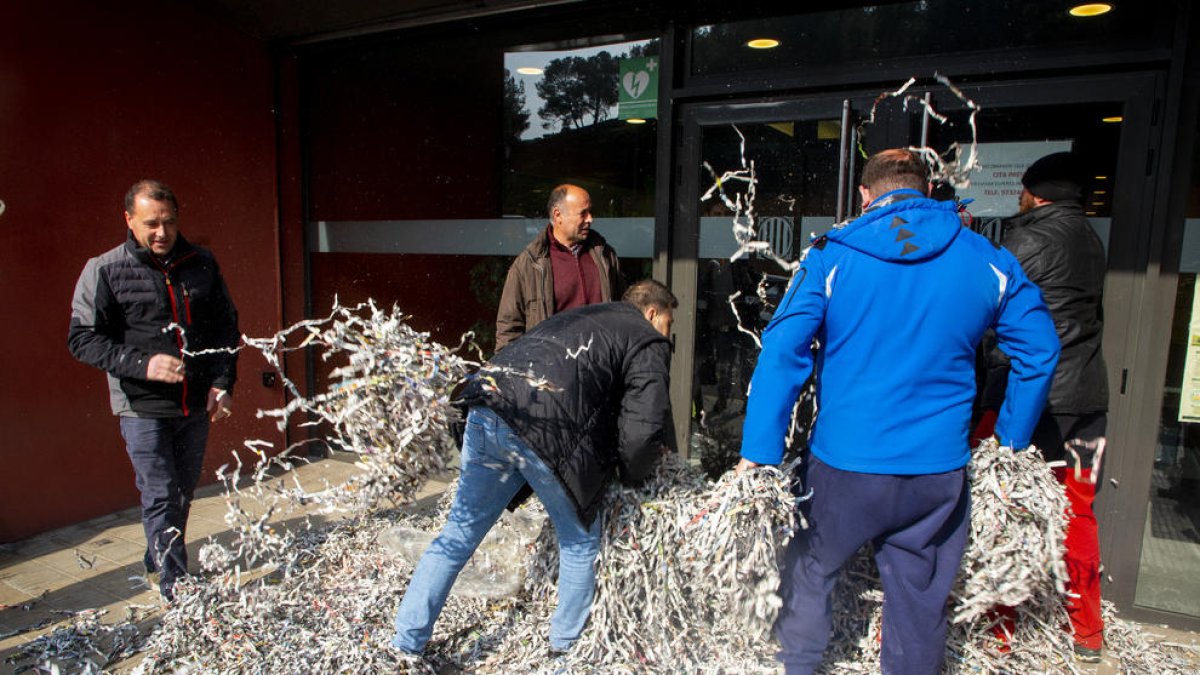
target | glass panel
[
  {"x": 797, "y": 167},
  {"x": 1170, "y": 562},
  {"x": 871, "y": 34},
  {"x": 567, "y": 120},
  {"x": 413, "y": 204},
  {"x": 1012, "y": 138}
]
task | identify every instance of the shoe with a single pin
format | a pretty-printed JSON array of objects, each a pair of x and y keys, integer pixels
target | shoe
[
  {"x": 1086, "y": 654},
  {"x": 150, "y": 578},
  {"x": 557, "y": 663}
]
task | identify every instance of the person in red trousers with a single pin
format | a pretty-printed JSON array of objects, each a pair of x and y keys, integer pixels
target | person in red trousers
[{"x": 1061, "y": 253}]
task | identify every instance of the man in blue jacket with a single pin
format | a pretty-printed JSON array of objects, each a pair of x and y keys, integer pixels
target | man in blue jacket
[{"x": 897, "y": 301}]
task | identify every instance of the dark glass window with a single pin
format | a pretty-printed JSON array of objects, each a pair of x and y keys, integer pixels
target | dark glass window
[{"x": 868, "y": 34}]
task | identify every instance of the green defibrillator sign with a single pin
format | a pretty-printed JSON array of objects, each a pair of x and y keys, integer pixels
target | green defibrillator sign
[{"x": 638, "y": 88}]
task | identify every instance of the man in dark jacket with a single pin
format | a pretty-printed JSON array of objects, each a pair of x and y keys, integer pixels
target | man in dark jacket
[
  {"x": 568, "y": 265},
  {"x": 575, "y": 402},
  {"x": 1061, "y": 253},
  {"x": 136, "y": 309},
  {"x": 898, "y": 300}
]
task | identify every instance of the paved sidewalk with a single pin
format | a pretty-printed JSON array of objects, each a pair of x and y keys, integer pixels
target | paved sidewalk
[{"x": 97, "y": 564}]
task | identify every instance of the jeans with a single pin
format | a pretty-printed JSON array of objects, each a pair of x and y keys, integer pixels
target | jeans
[
  {"x": 495, "y": 463},
  {"x": 167, "y": 456}
]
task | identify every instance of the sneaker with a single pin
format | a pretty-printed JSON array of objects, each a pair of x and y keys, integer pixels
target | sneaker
[{"x": 1086, "y": 654}]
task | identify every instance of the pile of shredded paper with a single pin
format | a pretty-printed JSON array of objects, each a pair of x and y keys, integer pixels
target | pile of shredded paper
[{"x": 686, "y": 579}]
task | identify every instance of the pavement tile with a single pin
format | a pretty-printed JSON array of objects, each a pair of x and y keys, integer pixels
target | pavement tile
[
  {"x": 66, "y": 562},
  {"x": 200, "y": 528},
  {"x": 11, "y": 598},
  {"x": 126, "y": 588},
  {"x": 117, "y": 552},
  {"x": 80, "y": 597},
  {"x": 73, "y": 535},
  {"x": 132, "y": 532},
  {"x": 20, "y": 551},
  {"x": 35, "y": 578}
]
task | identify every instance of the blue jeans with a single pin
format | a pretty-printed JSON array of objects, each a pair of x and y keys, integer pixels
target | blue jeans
[
  {"x": 495, "y": 463},
  {"x": 167, "y": 456}
]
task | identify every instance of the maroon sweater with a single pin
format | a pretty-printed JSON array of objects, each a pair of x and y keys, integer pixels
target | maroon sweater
[{"x": 576, "y": 278}]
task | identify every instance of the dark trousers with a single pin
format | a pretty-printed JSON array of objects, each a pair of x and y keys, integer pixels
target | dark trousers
[
  {"x": 918, "y": 525},
  {"x": 167, "y": 456}
]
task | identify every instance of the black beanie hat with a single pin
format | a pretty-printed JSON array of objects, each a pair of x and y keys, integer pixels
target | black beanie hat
[{"x": 1055, "y": 178}]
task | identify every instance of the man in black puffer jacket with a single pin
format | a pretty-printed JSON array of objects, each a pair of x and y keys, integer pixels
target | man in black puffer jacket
[
  {"x": 1061, "y": 253},
  {"x": 578, "y": 400},
  {"x": 136, "y": 309}
]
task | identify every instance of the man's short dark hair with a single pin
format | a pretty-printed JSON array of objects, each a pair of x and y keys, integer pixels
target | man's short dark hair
[
  {"x": 650, "y": 293},
  {"x": 895, "y": 169},
  {"x": 557, "y": 195},
  {"x": 153, "y": 189}
]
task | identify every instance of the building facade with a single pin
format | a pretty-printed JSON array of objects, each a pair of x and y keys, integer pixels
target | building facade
[{"x": 407, "y": 156}]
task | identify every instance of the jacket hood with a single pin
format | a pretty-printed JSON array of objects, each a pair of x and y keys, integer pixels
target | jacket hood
[{"x": 887, "y": 231}]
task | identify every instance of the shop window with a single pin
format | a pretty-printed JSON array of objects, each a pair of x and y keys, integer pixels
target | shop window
[
  {"x": 585, "y": 116},
  {"x": 427, "y": 174}
]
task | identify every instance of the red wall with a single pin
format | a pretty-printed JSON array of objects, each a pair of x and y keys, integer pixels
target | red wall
[{"x": 94, "y": 96}]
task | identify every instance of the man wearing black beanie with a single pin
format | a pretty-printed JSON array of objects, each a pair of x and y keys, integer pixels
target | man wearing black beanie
[{"x": 1061, "y": 253}]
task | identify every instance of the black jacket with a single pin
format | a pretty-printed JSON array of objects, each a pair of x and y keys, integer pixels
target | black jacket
[
  {"x": 124, "y": 301},
  {"x": 1061, "y": 253},
  {"x": 611, "y": 413}
]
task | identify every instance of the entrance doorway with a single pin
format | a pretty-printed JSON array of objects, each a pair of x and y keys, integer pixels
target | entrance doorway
[{"x": 807, "y": 153}]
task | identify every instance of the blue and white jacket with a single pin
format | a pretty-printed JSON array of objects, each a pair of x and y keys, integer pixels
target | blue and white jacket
[{"x": 898, "y": 301}]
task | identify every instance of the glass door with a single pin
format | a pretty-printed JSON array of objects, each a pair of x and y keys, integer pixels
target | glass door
[
  {"x": 761, "y": 180},
  {"x": 1168, "y": 563}
]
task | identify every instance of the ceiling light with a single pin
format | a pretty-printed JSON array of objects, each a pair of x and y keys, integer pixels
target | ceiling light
[
  {"x": 1091, "y": 9},
  {"x": 1091, "y": 213},
  {"x": 635, "y": 120},
  {"x": 1099, "y": 192},
  {"x": 1113, "y": 120},
  {"x": 529, "y": 70},
  {"x": 1097, "y": 203},
  {"x": 1101, "y": 177},
  {"x": 763, "y": 43}
]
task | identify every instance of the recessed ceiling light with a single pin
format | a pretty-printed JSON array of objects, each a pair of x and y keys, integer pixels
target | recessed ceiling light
[
  {"x": 529, "y": 70},
  {"x": 1099, "y": 192},
  {"x": 1091, "y": 213},
  {"x": 1101, "y": 177},
  {"x": 1091, "y": 9},
  {"x": 1097, "y": 203},
  {"x": 763, "y": 43},
  {"x": 635, "y": 120},
  {"x": 1113, "y": 120}
]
